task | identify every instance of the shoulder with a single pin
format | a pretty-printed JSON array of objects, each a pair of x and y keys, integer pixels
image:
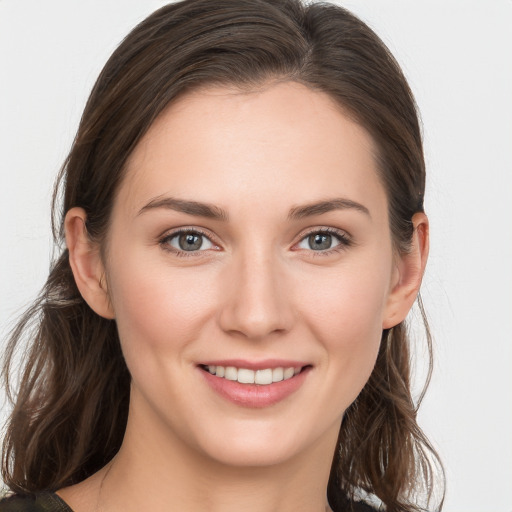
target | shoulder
[{"x": 44, "y": 502}]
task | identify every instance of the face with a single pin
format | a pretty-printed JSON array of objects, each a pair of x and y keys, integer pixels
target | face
[{"x": 250, "y": 269}]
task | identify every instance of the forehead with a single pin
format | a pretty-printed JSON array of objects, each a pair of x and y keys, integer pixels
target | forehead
[{"x": 282, "y": 141}]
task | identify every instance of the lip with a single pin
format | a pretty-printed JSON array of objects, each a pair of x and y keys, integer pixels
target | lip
[
  {"x": 254, "y": 395},
  {"x": 256, "y": 365}
]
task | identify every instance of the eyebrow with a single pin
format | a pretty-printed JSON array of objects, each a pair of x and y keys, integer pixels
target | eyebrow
[
  {"x": 196, "y": 208},
  {"x": 211, "y": 211},
  {"x": 308, "y": 210}
]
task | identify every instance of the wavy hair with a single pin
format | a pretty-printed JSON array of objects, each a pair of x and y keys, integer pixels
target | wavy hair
[{"x": 71, "y": 402}]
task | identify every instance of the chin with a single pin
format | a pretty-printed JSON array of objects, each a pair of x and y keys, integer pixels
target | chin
[
  {"x": 263, "y": 445},
  {"x": 252, "y": 456}
]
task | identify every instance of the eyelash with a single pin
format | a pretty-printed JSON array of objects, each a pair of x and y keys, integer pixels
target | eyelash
[
  {"x": 164, "y": 242},
  {"x": 345, "y": 241},
  {"x": 343, "y": 238}
]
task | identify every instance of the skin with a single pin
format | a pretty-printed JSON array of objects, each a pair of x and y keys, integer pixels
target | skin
[{"x": 256, "y": 290}]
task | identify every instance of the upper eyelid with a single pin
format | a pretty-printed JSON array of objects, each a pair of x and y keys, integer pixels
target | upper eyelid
[
  {"x": 324, "y": 229},
  {"x": 170, "y": 233}
]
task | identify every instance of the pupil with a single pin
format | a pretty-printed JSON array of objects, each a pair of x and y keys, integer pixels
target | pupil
[
  {"x": 190, "y": 242},
  {"x": 320, "y": 241}
]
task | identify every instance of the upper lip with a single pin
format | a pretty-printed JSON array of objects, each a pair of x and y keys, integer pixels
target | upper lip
[{"x": 255, "y": 365}]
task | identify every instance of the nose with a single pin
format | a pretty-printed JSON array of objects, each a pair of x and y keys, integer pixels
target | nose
[{"x": 256, "y": 302}]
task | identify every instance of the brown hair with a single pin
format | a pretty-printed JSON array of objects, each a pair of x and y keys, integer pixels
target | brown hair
[{"x": 70, "y": 411}]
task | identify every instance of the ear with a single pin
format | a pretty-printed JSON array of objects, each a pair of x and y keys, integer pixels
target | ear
[
  {"x": 408, "y": 274},
  {"x": 86, "y": 264}
]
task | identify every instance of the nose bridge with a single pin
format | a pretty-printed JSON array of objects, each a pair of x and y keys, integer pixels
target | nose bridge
[{"x": 256, "y": 304}]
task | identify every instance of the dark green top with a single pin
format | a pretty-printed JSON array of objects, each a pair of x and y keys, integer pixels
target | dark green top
[{"x": 50, "y": 502}]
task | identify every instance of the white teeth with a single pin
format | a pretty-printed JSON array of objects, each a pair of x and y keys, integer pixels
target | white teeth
[
  {"x": 288, "y": 373},
  {"x": 231, "y": 373},
  {"x": 277, "y": 374},
  {"x": 261, "y": 377},
  {"x": 245, "y": 376}
]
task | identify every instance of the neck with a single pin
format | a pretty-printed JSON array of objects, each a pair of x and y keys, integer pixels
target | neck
[{"x": 155, "y": 471}]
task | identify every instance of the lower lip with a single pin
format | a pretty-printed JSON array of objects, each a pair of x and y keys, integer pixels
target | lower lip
[{"x": 254, "y": 395}]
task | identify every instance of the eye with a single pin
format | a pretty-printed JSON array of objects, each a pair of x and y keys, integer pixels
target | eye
[
  {"x": 324, "y": 241},
  {"x": 188, "y": 241}
]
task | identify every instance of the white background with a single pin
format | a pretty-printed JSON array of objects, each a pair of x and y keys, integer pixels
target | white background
[{"x": 457, "y": 56}]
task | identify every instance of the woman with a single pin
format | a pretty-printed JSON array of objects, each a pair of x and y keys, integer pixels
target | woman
[{"x": 245, "y": 235}]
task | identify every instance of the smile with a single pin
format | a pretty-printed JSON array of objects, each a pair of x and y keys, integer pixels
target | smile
[
  {"x": 265, "y": 384},
  {"x": 263, "y": 377}
]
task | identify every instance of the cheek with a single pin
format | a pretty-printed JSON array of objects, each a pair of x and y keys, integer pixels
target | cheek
[
  {"x": 157, "y": 308},
  {"x": 344, "y": 312},
  {"x": 347, "y": 301}
]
